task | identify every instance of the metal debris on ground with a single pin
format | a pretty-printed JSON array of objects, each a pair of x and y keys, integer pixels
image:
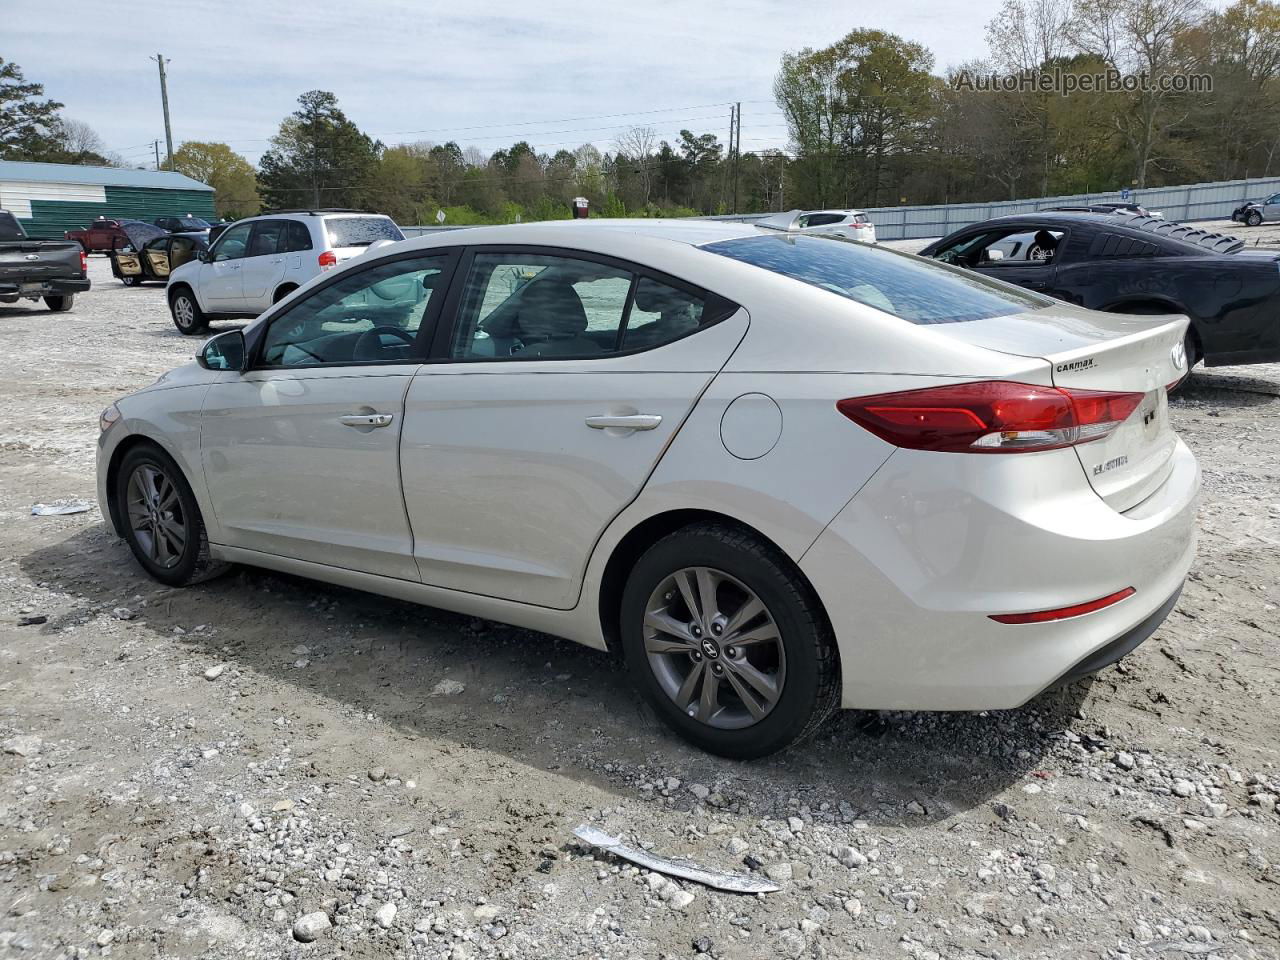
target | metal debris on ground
[
  {"x": 732, "y": 882},
  {"x": 61, "y": 508}
]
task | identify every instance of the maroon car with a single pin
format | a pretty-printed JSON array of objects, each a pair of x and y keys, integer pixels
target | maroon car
[{"x": 102, "y": 235}]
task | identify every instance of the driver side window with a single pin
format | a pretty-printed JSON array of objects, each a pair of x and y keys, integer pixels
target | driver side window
[
  {"x": 369, "y": 316},
  {"x": 233, "y": 243},
  {"x": 1020, "y": 246}
]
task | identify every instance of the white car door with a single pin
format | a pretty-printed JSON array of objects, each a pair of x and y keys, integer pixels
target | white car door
[
  {"x": 221, "y": 283},
  {"x": 301, "y": 451},
  {"x": 545, "y": 408},
  {"x": 264, "y": 263}
]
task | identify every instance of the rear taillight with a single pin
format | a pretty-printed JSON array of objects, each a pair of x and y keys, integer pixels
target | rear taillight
[
  {"x": 84, "y": 262},
  {"x": 993, "y": 416},
  {"x": 328, "y": 260}
]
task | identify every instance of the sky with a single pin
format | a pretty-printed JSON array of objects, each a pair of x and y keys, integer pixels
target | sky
[{"x": 555, "y": 72}]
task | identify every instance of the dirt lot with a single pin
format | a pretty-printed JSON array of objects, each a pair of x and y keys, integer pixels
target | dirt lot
[{"x": 146, "y": 811}]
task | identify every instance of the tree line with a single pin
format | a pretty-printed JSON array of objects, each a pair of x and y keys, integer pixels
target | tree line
[{"x": 871, "y": 122}]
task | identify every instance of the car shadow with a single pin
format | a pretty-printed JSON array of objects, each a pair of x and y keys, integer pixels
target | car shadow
[{"x": 546, "y": 702}]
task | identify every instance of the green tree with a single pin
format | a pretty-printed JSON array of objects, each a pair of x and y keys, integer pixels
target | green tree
[
  {"x": 28, "y": 122},
  {"x": 318, "y": 158},
  {"x": 230, "y": 175}
]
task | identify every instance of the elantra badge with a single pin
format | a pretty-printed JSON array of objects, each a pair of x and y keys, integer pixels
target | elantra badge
[{"x": 1179, "y": 355}]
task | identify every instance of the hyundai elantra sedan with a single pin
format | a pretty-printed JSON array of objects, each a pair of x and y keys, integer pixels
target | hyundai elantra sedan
[{"x": 779, "y": 473}]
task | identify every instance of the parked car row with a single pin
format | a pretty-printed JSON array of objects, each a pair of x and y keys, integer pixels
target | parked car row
[{"x": 109, "y": 233}]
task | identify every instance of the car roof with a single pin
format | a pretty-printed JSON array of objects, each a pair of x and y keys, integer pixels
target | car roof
[{"x": 567, "y": 232}]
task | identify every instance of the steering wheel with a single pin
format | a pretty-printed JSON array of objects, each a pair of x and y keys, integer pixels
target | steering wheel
[{"x": 363, "y": 341}]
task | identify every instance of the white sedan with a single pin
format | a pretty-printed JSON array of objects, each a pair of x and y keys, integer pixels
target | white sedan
[{"x": 780, "y": 473}]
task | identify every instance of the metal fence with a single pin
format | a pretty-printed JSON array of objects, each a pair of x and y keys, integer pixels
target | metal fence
[{"x": 1196, "y": 201}]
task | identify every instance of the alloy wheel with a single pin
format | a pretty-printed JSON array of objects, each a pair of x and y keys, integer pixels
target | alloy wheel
[
  {"x": 184, "y": 312},
  {"x": 714, "y": 648},
  {"x": 156, "y": 516}
]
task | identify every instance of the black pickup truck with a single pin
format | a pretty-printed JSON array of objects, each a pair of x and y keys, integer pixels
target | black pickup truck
[{"x": 32, "y": 269}]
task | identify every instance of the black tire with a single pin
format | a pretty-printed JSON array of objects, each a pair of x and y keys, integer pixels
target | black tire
[
  {"x": 187, "y": 315},
  {"x": 60, "y": 304},
  {"x": 810, "y": 691},
  {"x": 192, "y": 564},
  {"x": 1253, "y": 218}
]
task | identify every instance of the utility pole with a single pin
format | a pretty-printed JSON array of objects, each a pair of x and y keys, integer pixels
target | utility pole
[
  {"x": 737, "y": 152},
  {"x": 724, "y": 171},
  {"x": 156, "y": 144},
  {"x": 164, "y": 100}
]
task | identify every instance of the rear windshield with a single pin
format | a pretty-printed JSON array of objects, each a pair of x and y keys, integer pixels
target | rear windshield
[
  {"x": 360, "y": 231},
  {"x": 914, "y": 289},
  {"x": 10, "y": 229}
]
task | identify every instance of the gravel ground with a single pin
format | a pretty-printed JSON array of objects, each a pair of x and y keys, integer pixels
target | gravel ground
[{"x": 232, "y": 769}]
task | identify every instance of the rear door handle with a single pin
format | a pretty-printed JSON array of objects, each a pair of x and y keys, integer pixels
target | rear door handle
[
  {"x": 636, "y": 421},
  {"x": 366, "y": 419}
]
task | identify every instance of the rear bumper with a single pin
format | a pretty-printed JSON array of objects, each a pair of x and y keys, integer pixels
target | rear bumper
[
  {"x": 1122, "y": 645},
  {"x": 911, "y": 569},
  {"x": 51, "y": 287}
]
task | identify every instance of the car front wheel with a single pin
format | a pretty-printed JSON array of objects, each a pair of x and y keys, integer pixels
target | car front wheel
[
  {"x": 187, "y": 316},
  {"x": 728, "y": 643},
  {"x": 1254, "y": 218},
  {"x": 160, "y": 519}
]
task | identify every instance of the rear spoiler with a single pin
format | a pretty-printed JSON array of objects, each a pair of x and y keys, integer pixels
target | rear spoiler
[{"x": 783, "y": 222}]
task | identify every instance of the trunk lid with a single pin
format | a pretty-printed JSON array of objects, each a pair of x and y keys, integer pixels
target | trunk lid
[{"x": 1087, "y": 350}]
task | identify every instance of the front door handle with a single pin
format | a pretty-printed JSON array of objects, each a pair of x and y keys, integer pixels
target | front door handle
[
  {"x": 367, "y": 419},
  {"x": 636, "y": 421}
]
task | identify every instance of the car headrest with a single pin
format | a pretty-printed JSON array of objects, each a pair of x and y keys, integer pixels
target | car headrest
[{"x": 550, "y": 308}]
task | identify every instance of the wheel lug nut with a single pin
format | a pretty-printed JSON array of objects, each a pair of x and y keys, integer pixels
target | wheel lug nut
[
  {"x": 731, "y": 651},
  {"x": 697, "y": 655},
  {"x": 696, "y": 630},
  {"x": 717, "y": 669}
]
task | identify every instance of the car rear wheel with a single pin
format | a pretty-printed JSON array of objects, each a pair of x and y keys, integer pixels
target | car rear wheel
[
  {"x": 728, "y": 643},
  {"x": 60, "y": 304},
  {"x": 160, "y": 519},
  {"x": 187, "y": 316},
  {"x": 1254, "y": 218}
]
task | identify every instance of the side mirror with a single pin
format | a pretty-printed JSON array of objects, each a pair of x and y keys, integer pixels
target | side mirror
[{"x": 223, "y": 352}]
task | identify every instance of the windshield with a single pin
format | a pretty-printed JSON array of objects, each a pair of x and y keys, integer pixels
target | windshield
[
  {"x": 360, "y": 231},
  {"x": 908, "y": 287}
]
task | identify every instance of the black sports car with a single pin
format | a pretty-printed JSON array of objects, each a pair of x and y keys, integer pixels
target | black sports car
[
  {"x": 152, "y": 253},
  {"x": 1136, "y": 265}
]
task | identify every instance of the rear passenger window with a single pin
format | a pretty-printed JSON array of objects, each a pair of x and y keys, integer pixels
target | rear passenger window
[
  {"x": 522, "y": 306},
  {"x": 530, "y": 307},
  {"x": 267, "y": 235}
]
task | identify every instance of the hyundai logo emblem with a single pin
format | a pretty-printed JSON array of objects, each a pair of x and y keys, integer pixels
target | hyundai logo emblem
[
  {"x": 33, "y": 256},
  {"x": 710, "y": 648},
  {"x": 1179, "y": 356}
]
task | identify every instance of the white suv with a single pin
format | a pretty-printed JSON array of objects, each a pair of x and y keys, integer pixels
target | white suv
[
  {"x": 260, "y": 261},
  {"x": 843, "y": 223}
]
